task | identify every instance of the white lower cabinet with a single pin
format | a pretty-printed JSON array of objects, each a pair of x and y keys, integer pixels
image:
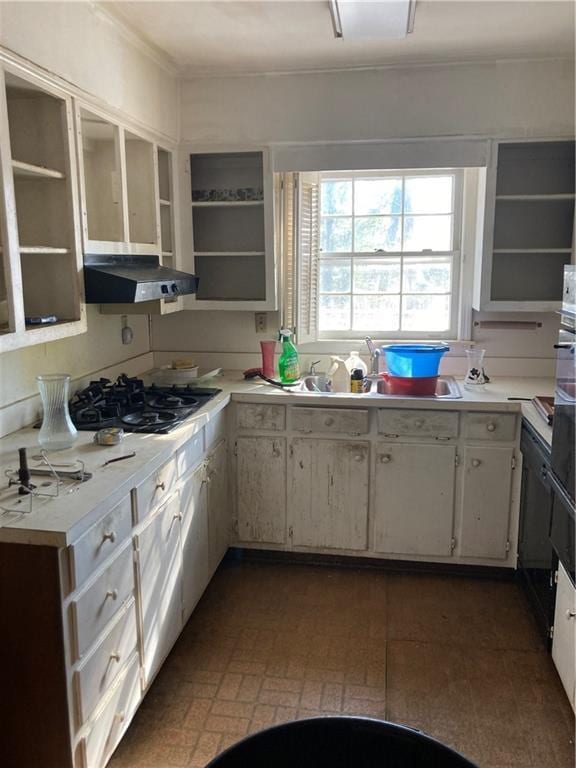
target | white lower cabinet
[
  {"x": 414, "y": 499},
  {"x": 564, "y": 638},
  {"x": 486, "y": 497},
  {"x": 159, "y": 557},
  {"x": 218, "y": 505},
  {"x": 328, "y": 493},
  {"x": 195, "y": 575},
  {"x": 261, "y": 489}
]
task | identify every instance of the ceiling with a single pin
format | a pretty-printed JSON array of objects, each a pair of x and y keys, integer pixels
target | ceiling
[{"x": 221, "y": 37}]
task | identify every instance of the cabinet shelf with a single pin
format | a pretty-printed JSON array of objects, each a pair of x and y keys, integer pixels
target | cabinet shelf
[
  {"x": 535, "y": 198},
  {"x": 33, "y": 249},
  {"x": 227, "y": 204},
  {"x": 29, "y": 171},
  {"x": 229, "y": 253}
]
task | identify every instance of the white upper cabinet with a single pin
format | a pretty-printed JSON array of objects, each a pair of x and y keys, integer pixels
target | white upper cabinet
[
  {"x": 526, "y": 236},
  {"x": 228, "y": 229},
  {"x": 41, "y": 289}
]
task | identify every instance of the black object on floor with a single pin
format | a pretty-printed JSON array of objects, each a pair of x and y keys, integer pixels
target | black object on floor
[{"x": 340, "y": 742}]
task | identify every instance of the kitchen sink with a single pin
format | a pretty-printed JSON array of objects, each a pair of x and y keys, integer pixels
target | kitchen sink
[{"x": 446, "y": 388}]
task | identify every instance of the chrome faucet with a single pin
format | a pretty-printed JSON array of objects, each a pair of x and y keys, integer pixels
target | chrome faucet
[{"x": 374, "y": 357}]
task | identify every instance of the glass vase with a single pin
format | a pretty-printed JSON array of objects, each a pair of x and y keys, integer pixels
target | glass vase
[{"x": 57, "y": 431}]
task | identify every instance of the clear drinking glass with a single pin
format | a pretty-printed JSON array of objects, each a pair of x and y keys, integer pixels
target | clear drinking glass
[
  {"x": 475, "y": 375},
  {"x": 57, "y": 431}
]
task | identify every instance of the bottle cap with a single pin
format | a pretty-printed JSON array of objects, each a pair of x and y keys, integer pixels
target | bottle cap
[{"x": 357, "y": 374}]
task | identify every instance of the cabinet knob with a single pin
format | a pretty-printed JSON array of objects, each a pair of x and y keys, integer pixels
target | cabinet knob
[
  {"x": 419, "y": 423},
  {"x": 570, "y": 614},
  {"x": 329, "y": 421},
  {"x": 112, "y": 593},
  {"x": 276, "y": 452},
  {"x": 476, "y": 462},
  {"x": 491, "y": 427},
  {"x": 358, "y": 457},
  {"x": 386, "y": 458},
  {"x": 161, "y": 486},
  {"x": 121, "y": 716},
  {"x": 109, "y": 536}
]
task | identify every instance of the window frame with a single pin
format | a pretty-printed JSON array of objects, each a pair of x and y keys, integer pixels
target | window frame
[{"x": 455, "y": 255}]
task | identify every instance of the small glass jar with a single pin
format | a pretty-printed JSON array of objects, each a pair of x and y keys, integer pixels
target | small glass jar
[
  {"x": 57, "y": 431},
  {"x": 475, "y": 375}
]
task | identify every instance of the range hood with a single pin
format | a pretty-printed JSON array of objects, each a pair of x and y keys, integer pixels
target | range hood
[{"x": 114, "y": 279}]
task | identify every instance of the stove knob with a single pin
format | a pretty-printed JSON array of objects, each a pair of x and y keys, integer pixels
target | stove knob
[
  {"x": 164, "y": 289},
  {"x": 174, "y": 288}
]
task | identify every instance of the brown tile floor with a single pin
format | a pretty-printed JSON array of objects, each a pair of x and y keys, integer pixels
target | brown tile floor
[{"x": 456, "y": 657}]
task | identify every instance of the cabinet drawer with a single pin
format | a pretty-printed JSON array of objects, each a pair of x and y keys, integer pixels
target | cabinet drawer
[
  {"x": 256, "y": 416},
  {"x": 155, "y": 489},
  {"x": 396, "y": 422},
  {"x": 98, "y": 603},
  {"x": 490, "y": 426},
  {"x": 191, "y": 453},
  {"x": 104, "y": 538},
  {"x": 113, "y": 718},
  {"x": 332, "y": 420},
  {"x": 101, "y": 668}
]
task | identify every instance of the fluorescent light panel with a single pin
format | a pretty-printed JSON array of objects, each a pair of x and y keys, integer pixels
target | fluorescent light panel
[{"x": 366, "y": 20}]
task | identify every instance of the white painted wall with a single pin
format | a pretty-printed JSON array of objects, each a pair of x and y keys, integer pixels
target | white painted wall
[
  {"x": 80, "y": 43},
  {"x": 506, "y": 99}
]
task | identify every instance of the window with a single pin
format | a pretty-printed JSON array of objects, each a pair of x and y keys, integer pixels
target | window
[{"x": 389, "y": 258}]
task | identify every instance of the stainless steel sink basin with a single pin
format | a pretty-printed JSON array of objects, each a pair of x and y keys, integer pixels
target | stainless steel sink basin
[{"x": 446, "y": 388}]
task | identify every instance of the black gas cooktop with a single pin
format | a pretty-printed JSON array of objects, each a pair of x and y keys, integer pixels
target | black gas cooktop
[{"x": 130, "y": 404}]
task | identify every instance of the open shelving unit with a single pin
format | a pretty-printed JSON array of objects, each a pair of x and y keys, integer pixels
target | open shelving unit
[
  {"x": 529, "y": 226},
  {"x": 41, "y": 248},
  {"x": 230, "y": 229}
]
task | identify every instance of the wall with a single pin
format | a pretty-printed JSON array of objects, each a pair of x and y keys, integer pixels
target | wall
[
  {"x": 79, "y": 43},
  {"x": 512, "y": 98}
]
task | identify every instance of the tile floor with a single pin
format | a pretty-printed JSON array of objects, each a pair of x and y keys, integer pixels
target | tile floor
[{"x": 456, "y": 657}]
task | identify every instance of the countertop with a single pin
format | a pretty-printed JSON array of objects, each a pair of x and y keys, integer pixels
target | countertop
[{"x": 61, "y": 520}]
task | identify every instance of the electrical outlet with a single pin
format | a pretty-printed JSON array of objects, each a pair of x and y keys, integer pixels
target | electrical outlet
[{"x": 260, "y": 322}]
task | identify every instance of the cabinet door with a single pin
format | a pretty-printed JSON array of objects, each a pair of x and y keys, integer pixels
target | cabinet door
[
  {"x": 328, "y": 493},
  {"x": 160, "y": 584},
  {"x": 261, "y": 489},
  {"x": 487, "y": 478},
  {"x": 218, "y": 506},
  {"x": 564, "y": 642},
  {"x": 195, "y": 575},
  {"x": 414, "y": 499}
]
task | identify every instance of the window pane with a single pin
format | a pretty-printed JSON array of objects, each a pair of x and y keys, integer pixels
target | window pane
[
  {"x": 336, "y": 235},
  {"x": 377, "y": 276},
  {"x": 434, "y": 232},
  {"x": 427, "y": 275},
  {"x": 426, "y": 313},
  {"x": 336, "y": 197},
  {"x": 432, "y": 194},
  {"x": 334, "y": 313},
  {"x": 372, "y": 233},
  {"x": 373, "y": 313},
  {"x": 335, "y": 276},
  {"x": 377, "y": 196}
]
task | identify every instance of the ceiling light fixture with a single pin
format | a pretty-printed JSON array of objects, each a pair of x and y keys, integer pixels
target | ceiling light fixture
[{"x": 372, "y": 19}]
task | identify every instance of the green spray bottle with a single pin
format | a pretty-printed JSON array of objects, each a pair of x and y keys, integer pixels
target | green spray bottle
[{"x": 289, "y": 362}]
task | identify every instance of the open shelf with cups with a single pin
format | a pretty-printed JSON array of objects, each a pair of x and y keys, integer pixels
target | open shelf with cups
[
  {"x": 528, "y": 233},
  {"x": 41, "y": 292},
  {"x": 230, "y": 229}
]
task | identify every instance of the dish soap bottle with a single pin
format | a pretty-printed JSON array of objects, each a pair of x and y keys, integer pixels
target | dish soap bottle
[
  {"x": 355, "y": 361},
  {"x": 289, "y": 362}
]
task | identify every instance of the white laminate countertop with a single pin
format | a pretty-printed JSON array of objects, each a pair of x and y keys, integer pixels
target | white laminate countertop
[{"x": 60, "y": 521}]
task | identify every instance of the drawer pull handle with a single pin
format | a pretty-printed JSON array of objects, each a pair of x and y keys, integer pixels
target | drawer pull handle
[
  {"x": 329, "y": 421},
  {"x": 385, "y": 458},
  {"x": 115, "y": 657},
  {"x": 109, "y": 536},
  {"x": 113, "y": 593},
  {"x": 161, "y": 486},
  {"x": 491, "y": 427},
  {"x": 178, "y": 516},
  {"x": 476, "y": 462},
  {"x": 571, "y": 614},
  {"x": 419, "y": 423}
]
